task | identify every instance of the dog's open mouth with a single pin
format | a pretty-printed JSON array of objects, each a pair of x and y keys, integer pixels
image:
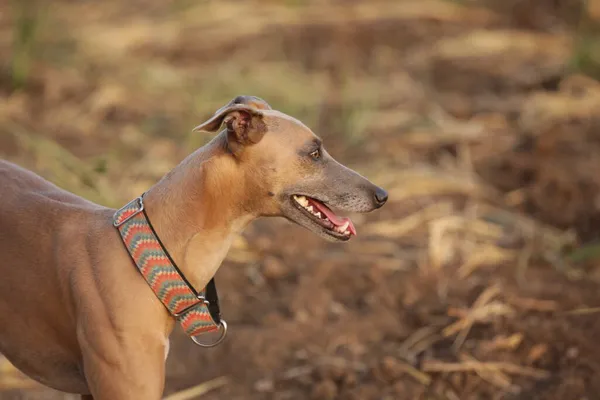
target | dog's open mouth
[{"x": 320, "y": 213}]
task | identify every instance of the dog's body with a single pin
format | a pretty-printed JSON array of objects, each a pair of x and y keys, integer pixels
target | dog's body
[{"x": 76, "y": 315}]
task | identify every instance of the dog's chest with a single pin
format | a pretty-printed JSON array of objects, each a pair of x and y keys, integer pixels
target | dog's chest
[{"x": 167, "y": 347}]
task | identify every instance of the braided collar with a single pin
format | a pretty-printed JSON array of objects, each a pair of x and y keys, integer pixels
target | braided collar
[{"x": 197, "y": 312}]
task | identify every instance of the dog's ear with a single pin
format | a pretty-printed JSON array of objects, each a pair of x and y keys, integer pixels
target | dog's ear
[
  {"x": 252, "y": 101},
  {"x": 242, "y": 117}
]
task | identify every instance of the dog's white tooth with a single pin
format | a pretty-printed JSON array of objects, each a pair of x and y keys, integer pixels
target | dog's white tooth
[
  {"x": 345, "y": 226},
  {"x": 346, "y": 232},
  {"x": 318, "y": 214},
  {"x": 302, "y": 200},
  {"x": 310, "y": 208}
]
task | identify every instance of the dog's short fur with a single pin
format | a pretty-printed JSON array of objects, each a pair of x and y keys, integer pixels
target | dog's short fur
[{"x": 76, "y": 315}]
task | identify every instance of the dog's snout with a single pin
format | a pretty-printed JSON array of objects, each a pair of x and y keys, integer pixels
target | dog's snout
[{"x": 381, "y": 197}]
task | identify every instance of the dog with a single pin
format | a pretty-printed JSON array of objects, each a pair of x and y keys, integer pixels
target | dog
[{"x": 75, "y": 312}]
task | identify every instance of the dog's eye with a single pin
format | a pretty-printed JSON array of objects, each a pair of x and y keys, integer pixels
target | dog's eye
[{"x": 316, "y": 154}]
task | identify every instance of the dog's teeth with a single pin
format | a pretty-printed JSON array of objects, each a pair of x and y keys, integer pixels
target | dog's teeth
[
  {"x": 346, "y": 232},
  {"x": 310, "y": 208},
  {"x": 344, "y": 227},
  {"x": 318, "y": 214},
  {"x": 301, "y": 200}
]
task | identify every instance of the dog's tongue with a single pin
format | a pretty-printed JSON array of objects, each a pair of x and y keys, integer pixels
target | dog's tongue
[{"x": 337, "y": 221}]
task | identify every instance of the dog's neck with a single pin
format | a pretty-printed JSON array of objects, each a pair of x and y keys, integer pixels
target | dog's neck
[{"x": 198, "y": 208}]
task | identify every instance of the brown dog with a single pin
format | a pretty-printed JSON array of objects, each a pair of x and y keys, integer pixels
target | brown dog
[{"x": 76, "y": 315}]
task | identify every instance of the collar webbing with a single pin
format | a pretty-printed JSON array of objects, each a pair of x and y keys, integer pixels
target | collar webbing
[{"x": 197, "y": 312}]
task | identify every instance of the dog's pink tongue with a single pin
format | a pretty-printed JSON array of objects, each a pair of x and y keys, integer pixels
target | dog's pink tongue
[{"x": 337, "y": 221}]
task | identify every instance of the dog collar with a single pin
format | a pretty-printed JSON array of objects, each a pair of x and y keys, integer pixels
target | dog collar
[{"x": 197, "y": 312}]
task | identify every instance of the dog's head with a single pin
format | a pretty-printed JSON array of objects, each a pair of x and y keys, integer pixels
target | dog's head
[{"x": 288, "y": 170}]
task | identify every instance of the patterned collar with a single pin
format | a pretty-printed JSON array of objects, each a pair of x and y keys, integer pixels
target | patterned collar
[{"x": 197, "y": 312}]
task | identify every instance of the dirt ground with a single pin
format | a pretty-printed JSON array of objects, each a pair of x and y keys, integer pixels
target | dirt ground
[{"x": 480, "y": 277}]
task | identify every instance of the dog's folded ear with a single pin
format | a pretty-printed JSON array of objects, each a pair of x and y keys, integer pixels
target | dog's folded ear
[{"x": 242, "y": 117}]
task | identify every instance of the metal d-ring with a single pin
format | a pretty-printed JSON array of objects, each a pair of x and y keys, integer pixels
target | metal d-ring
[{"x": 222, "y": 328}]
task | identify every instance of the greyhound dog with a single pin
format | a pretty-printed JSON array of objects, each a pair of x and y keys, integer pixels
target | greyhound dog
[{"x": 75, "y": 312}]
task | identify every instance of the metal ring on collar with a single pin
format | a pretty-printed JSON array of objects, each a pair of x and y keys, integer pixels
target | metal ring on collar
[{"x": 222, "y": 328}]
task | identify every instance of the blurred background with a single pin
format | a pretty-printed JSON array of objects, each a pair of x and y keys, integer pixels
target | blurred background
[{"x": 480, "y": 277}]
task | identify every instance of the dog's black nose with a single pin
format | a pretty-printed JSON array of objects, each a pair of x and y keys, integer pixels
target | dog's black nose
[{"x": 381, "y": 197}]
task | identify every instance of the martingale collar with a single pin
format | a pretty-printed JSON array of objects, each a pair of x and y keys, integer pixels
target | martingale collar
[{"x": 197, "y": 312}]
